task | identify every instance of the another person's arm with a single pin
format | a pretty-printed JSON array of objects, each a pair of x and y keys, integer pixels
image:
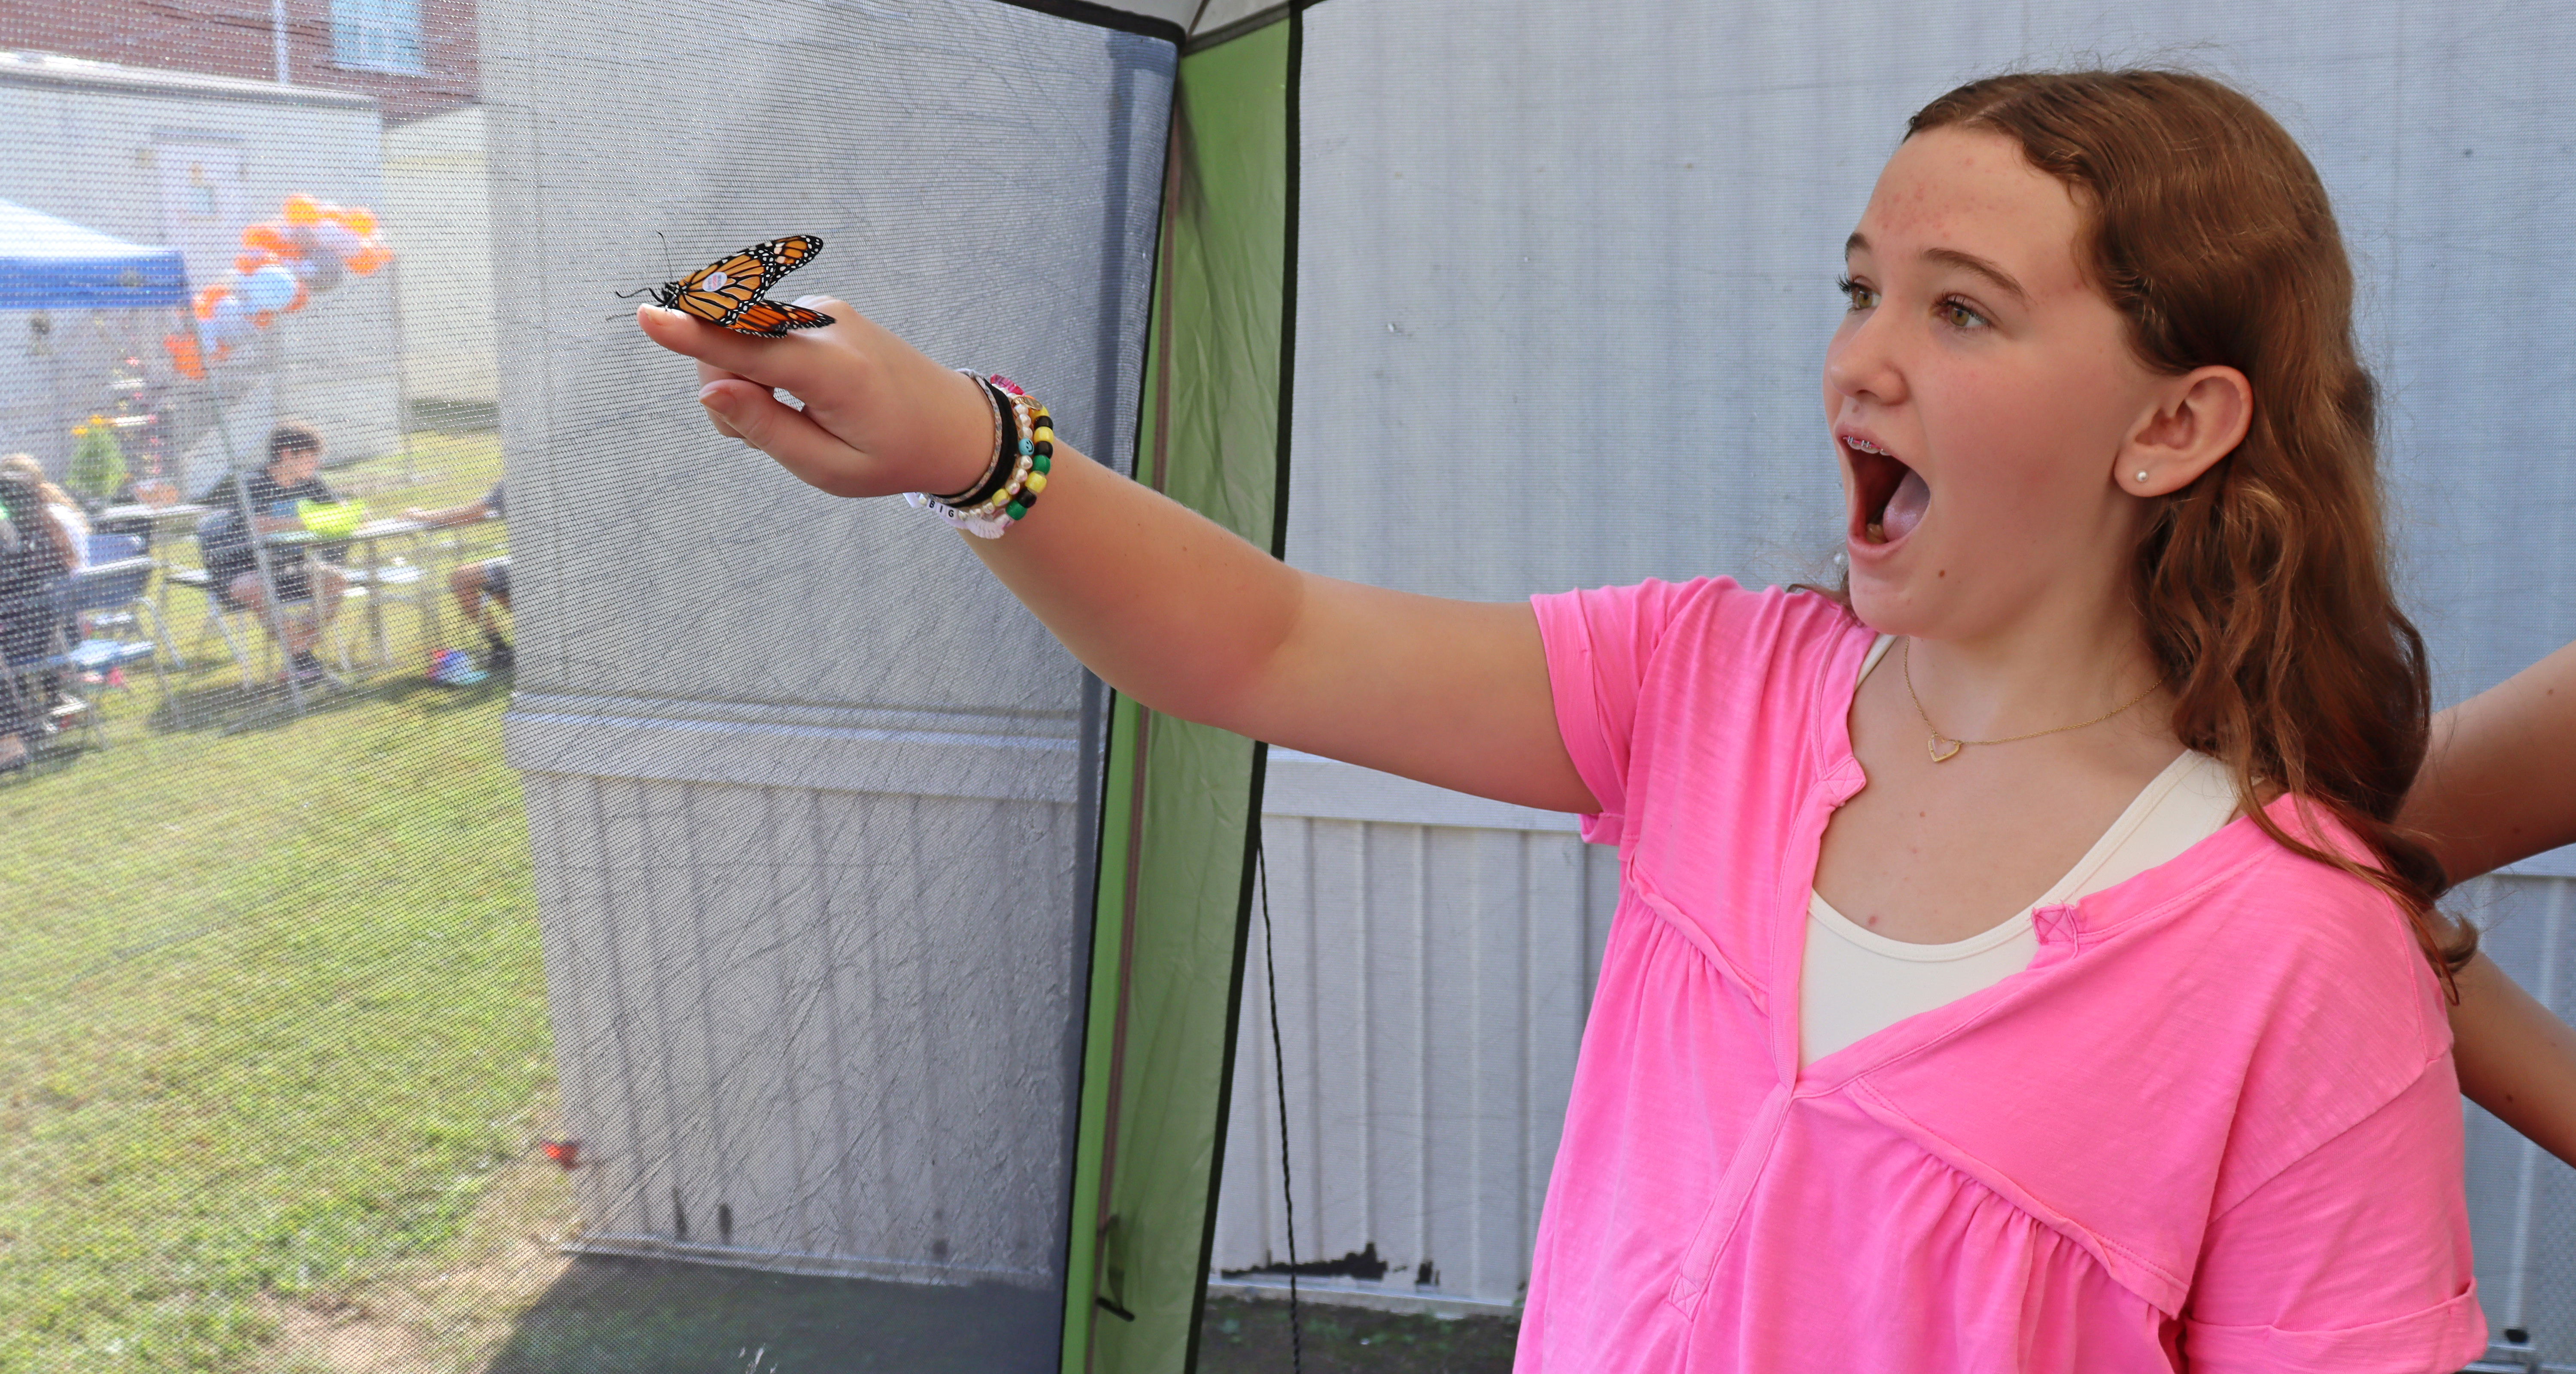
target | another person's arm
[
  {"x": 471, "y": 513},
  {"x": 67, "y": 543},
  {"x": 1165, "y": 605},
  {"x": 2499, "y": 784}
]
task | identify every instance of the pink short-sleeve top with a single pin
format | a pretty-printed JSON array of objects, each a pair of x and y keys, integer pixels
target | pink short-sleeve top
[{"x": 2212, "y": 1126}]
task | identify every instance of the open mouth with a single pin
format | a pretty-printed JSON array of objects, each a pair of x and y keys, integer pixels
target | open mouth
[{"x": 1891, "y": 498}]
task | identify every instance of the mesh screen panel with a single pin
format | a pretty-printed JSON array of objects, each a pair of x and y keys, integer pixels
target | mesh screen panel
[{"x": 698, "y": 984}]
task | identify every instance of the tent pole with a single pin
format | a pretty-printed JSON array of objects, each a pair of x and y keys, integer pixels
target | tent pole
[{"x": 269, "y": 610}]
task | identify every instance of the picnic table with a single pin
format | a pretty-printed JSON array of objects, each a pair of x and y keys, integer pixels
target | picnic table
[
  {"x": 404, "y": 579},
  {"x": 166, "y": 523}
]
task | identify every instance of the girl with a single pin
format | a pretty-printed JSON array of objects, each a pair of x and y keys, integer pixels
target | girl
[{"x": 2017, "y": 965}]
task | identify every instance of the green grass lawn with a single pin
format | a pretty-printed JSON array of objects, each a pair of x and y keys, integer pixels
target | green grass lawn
[{"x": 271, "y": 1006}]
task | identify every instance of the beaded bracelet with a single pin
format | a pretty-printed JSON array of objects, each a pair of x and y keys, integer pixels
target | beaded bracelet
[{"x": 993, "y": 506}]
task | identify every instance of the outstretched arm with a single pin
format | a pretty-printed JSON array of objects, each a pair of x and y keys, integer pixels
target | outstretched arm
[
  {"x": 1167, "y": 606},
  {"x": 2497, "y": 787}
]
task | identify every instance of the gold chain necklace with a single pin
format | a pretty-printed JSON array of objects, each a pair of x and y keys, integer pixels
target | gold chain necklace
[{"x": 1932, "y": 745}]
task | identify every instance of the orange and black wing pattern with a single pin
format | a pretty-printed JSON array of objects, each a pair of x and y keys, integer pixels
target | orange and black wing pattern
[
  {"x": 771, "y": 319},
  {"x": 729, "y": 291}
]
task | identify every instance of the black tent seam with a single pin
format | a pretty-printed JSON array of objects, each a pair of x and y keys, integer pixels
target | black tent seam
[
  {"x": 1228, "y": 32},
  {"x": 1288, "y": 283},
  {"x": 1103, "y": 17}
]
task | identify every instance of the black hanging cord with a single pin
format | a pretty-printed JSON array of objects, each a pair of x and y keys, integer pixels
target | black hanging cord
[{"x": 1279, "y": 1067}]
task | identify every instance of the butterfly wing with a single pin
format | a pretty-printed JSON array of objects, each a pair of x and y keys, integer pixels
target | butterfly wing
[
  {"x": 724, "y": 290},
  {"x": 782, "y": 256},
  {"x": 720, "y": 288},
  {"x": 771, "y": 319}
]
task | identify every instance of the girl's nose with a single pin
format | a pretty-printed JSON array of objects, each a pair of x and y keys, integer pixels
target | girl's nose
[{"x": 1861, "y": 361}]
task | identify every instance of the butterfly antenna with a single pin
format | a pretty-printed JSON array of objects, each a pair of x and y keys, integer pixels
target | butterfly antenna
[
  {"x": 673, "y": 272},
  {"x": 630, "y": 295}
]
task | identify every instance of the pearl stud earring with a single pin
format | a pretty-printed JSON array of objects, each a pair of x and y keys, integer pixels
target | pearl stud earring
[{"x": 2142, "y": 474}]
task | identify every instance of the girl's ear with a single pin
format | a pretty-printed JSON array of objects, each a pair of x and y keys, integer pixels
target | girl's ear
[{"x": 2200, "y": 417}]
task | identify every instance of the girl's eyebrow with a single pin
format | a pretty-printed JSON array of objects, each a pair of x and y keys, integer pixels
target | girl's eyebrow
[{"x": 1964, "y": 261}]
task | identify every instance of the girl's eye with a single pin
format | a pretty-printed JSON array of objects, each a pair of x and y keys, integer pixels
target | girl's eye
[
  {"x": 1856, "y": 296},
  {"x": 1958, "y": 315}
]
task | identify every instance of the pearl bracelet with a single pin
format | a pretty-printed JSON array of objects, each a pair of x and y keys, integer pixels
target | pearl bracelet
[{"x": 988, "y": 509}]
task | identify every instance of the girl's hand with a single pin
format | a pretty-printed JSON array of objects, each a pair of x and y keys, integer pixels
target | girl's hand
[{"x": 878, "y": 417}]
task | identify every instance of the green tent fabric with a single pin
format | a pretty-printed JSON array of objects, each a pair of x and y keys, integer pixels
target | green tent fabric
[{"x": 1182, "y": 800}]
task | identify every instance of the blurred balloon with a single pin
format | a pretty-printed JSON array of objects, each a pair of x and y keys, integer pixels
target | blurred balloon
[
  {"x": 268, "y": 288},
  {"x": 204, "y": 302},
  {"x": 302, "y": 209},
  {"x": 358, "y": 219},
  {"x": 184, "y": 356},
  {"x": 318, "y": 274},
  {"x": 367, "y": 259},
  {"x": 251, "y": 262},
  {"x": 333, "y": 238},
  {"x": 264, "y": 238},
  {"x": 230, "y": 320}
]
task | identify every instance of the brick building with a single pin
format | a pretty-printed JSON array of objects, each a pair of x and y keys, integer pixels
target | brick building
[{"x": 416, "y": 57}]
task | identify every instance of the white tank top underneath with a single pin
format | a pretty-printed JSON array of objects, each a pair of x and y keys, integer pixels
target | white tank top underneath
[{"x": 1855, "y": 982}]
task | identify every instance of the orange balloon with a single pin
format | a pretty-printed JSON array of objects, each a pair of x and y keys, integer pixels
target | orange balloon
[
  {"x": 359, "y": 220},
  {"x": 303, "y": 209},
  {"x": 264, "y": 318},
  {"x": 263, "y": 238},
  {"x": 301, "y": 296},
  {"x": 248, "y": 263},
  {"x": 370, "y": 256},
  {"x": 204, "y": 304},
  {"x": 184, "y": 356}
]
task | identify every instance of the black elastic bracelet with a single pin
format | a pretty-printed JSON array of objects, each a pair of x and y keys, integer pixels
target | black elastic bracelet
[
  {"x": 1000, "y": 476},
  {"x": 1001, "y": 447}
]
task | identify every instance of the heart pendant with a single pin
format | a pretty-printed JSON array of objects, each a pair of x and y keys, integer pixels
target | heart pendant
[{"x": 1933, "y": 747}]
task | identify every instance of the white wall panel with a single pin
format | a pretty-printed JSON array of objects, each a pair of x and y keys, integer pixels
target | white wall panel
[
  {"x": 817, "y": 1052},
  {"x": 1432, "y": 981}
]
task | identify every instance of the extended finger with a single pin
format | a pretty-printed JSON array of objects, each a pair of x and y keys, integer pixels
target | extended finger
[
  {"x": 790, "y": 362},
  {"x": 784, "y": 433},
  {"x": 708, "y": 372}
]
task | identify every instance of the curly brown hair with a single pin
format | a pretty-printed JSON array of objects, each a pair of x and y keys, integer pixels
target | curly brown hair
[{"x": 2263, "y": 585}]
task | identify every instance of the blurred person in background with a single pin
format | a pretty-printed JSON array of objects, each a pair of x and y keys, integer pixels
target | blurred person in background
[
  {"x": 69, "y": 518},
  {"x": 261, "y": 504},
  {"x": 36, "y": 554},
  {"x": 477, "y": 585}
]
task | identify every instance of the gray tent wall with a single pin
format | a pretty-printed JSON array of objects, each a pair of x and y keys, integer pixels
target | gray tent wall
[{"x": 812, "y": 800}]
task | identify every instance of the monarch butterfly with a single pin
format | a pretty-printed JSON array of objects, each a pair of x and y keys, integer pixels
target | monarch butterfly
[{"x": 727, "y": 291}]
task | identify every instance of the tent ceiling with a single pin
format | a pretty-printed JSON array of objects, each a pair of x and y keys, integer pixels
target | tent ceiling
[{"x": 1192, "y": 16}]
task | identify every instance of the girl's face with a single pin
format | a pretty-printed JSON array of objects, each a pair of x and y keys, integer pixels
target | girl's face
[{"x": 1980, "y": 393}]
